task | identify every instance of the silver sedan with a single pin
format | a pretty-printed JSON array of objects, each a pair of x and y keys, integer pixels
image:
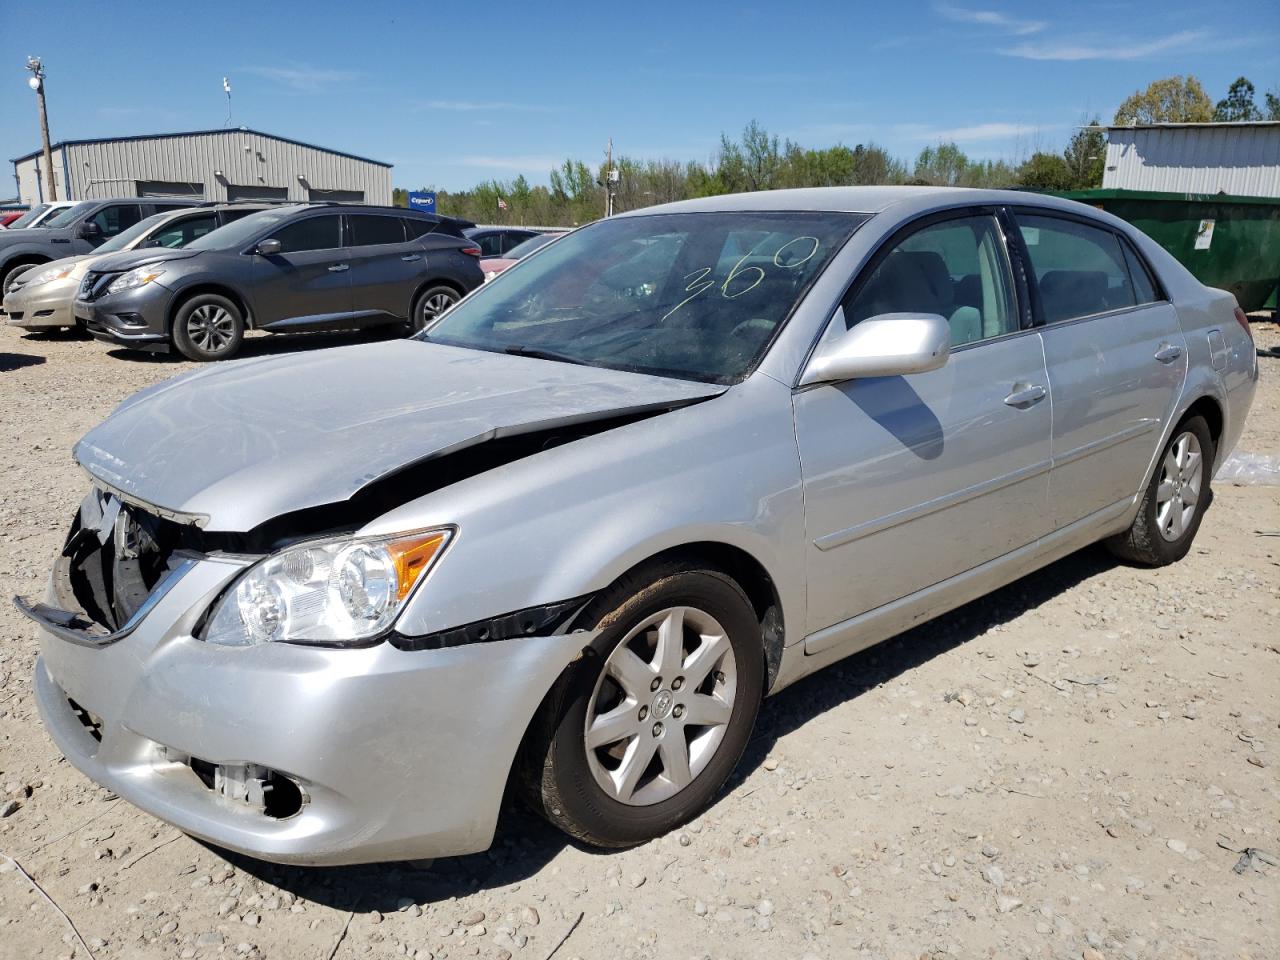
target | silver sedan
[{"x": 323, "y": 608}]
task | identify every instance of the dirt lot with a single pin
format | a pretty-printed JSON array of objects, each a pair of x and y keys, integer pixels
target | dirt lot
[{"x": 1068, "y": 768}]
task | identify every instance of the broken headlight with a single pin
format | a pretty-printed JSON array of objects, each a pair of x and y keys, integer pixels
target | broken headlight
[{"x": 336, "y": 591}]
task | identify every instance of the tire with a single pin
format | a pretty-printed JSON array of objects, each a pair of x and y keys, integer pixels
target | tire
[
  {"x": 208, "y": 327},
  {"x": 1174, "y": 502},
  {"x": 607, "y": 794},
  {"x": 12, "y": 271},
  {"x": 430, "y": 303}
]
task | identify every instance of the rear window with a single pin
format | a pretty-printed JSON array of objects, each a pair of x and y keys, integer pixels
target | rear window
[{"x": 1080, "y": 270}]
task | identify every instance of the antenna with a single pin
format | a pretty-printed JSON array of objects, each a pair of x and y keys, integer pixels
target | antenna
[{"x": 226, "y": 88}]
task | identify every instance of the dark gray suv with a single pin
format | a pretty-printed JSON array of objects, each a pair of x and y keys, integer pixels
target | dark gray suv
[
  {"x": 78, "y": 229},
  {"x": 289, "y": 269}
]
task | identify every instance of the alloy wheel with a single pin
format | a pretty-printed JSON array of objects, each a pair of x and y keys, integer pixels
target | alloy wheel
[
  {"x": 211, "y": 328},
  {"x": 661, "y": 706},
  {"x": 1178, "y": 495},
  {"x": 435, "y": 305}
]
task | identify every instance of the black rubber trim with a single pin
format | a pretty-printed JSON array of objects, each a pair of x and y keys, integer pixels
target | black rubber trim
[{"x": 508, "y": 626}]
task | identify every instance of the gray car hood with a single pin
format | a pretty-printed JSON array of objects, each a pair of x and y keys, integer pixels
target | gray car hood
[{"x": 233, "y": 446}]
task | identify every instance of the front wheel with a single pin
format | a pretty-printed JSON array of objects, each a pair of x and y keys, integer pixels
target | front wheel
[
  {"x": 641, "y": 732},
  {"x": 208, "y": 327},
  {"x": 431, "y": 303},
  {"x": 1174, "y": 502}
]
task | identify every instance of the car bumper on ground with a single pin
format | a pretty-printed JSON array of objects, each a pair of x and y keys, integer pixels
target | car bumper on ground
[
  {"x": 135, "y": 318},
  {"x": 41, "y": 306},
  {"x": 395, "y": 755}
]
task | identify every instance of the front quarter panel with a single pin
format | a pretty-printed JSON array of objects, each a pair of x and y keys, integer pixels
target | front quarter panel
[{"x": 566, "y": 522}]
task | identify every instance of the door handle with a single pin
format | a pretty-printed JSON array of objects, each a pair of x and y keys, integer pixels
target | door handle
[
  {"x": 1168, "y": 353},
  {"x": 411, "y": 258},
  {"x": 1024, "y": 395},
  {"x": 339, "y": 267}
]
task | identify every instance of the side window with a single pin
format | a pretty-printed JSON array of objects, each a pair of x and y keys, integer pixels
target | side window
[
  {"x": 513, "y": 238},
  {"x": 313, "y": 233},
  {"x": 182, "y": 232},
  {"x": 956, "y": 268},
  {"x": 490, "y": 244},
  {"x": 1143, "y": 287},
  {"x": 117, "y": 217},
  {"x": 1079, "y": 269},
  {"x": 369, "y": 230}
]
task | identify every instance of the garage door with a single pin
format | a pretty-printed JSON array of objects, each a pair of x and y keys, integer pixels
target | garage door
[
  {"x": 169, "y": 188},
  {"x": 335, "y": 196},
  {"x": 245, "y": 191}
]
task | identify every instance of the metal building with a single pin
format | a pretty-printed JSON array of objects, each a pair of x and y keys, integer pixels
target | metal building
[
  {"x": 234, "y": 164},
  {"x": 1240, "y": 159}
]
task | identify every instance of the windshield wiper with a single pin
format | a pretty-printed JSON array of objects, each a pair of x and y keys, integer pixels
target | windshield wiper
[{"x": 539, "y": 354}]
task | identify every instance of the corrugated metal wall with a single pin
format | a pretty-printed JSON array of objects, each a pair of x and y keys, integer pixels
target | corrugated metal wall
[
  {"x": 112, "y": 168},
  {"x": 1243, "y": 161},
  {"x": 31, "y": 181}
]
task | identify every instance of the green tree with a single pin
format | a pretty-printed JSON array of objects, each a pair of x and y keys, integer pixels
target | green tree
[
  {"x": 1176, "y": 99},
  {"x": 1238, "y": 104},
  {"x": 1273, "y": 105},
  {"x": 1045, "y": 171},
  {"x": 1086, "y": 156},
  {"x": 941, "y": 166}
]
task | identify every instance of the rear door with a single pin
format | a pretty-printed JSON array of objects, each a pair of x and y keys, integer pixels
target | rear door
[
  {"x": 910, "y": 480},
  {"x": 307, "y": 284},
  {"x": 1116, "y": 359},
  {"x": 386, "y": 265}
]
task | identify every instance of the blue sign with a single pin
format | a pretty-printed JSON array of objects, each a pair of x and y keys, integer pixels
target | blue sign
[{"x": 426, "y": 202}]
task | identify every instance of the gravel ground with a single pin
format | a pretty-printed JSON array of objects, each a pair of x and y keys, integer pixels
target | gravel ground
[{"x": 1069, "y": 768}]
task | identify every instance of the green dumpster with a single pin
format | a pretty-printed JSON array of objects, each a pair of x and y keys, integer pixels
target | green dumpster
[{"x": 1228, "y": 242}]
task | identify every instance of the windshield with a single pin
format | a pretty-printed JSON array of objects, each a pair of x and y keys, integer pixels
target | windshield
[
  {"x": 69, "y": 215},
  {"x": 242, "y": 230},
  {"x": 697, "y": 296},
  {"x": 527, "y": 247},
  {"x": 29, "y": 217},
  {"x": 123, "y": 239}
]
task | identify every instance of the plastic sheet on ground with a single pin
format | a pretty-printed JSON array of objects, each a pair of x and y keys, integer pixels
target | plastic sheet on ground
[{"x": 1246, "y": 469}]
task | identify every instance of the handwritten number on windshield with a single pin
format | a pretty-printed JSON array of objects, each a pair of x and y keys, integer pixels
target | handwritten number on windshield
[{"x": 783, "y": 258}]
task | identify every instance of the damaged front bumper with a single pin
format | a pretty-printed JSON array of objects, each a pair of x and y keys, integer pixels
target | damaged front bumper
[{"x": 292, "y": 753}]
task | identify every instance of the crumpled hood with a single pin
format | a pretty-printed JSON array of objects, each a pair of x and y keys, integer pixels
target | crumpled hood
[
  {"x": 128, "y": 259},
  {"x": 238, "y": 444}
]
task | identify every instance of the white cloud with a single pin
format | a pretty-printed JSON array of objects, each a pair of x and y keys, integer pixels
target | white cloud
[
  {"x": 990, "y": 18},
  {"x": 979, "y": 131},
  {"x": 514, "y": 161},
  {"x": 474, "y": 106},
  {"x": 1105, "y": 50},
  {"x": 303, "y": 78}
]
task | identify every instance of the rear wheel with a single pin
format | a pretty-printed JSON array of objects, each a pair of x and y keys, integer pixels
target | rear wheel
[
  {"x": 11, "y": 273},
  {"x": 1174, "y": 502},
  {"x": 431, "y": 303},
  {"x": 641, "y": 733},
  {"x": 208, "y": 327}
]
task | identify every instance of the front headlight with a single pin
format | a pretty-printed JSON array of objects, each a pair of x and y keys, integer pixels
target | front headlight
[
  {"x": 47, "y": 276},
  {"x": 134, "y": 278},
  {"x": 337, "y": 591}
]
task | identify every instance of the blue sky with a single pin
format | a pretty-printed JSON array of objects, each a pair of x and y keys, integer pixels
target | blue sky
[{"x": 456, "y": 93}]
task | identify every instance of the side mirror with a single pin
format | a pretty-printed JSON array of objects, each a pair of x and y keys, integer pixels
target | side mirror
[
  {"x": 888, "y": 345},
  {"x": 89, "y": 231},
  {"x": 268, "y": 248}
]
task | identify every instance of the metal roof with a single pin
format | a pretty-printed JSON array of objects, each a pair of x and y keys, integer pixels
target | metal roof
[
  {"x": 1176, "y": 126},
  {"x": 201, "y": 133}
]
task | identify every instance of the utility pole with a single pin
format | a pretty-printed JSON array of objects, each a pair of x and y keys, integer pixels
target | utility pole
[
  {"x": 610, "y": 180},
  {"x": 36, "y": 83}
]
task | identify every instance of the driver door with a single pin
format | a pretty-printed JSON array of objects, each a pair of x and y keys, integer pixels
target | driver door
[{"x": 910, "y": 480}]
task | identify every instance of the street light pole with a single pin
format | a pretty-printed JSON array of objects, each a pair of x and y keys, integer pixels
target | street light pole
[{"x": 37, "y": 84}]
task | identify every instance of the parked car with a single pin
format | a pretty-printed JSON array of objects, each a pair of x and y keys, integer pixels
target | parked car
[
  {"x": 9, "y": 216},
  {"x": 288, "y": 269},
  {"x": 497, "y": 241},
  {"x": 492, "y": 266},
  {"x": 41, "y": 297},
  {"x": 40, "y": 214},
  {"x": 323, "y": 608},
  {"x": 79, "y": 228}
]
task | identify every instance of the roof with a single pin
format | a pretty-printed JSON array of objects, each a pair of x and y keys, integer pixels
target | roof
[
  {"x": 200, "y": 133},
  {"x": 844, "y": 199},
  {"x": 1192, "y": 126}
]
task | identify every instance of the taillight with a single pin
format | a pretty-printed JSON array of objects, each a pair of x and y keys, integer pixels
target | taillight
[
  {"x": 1244, "y": 322},
  {"x": 472, "y": 251}
]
